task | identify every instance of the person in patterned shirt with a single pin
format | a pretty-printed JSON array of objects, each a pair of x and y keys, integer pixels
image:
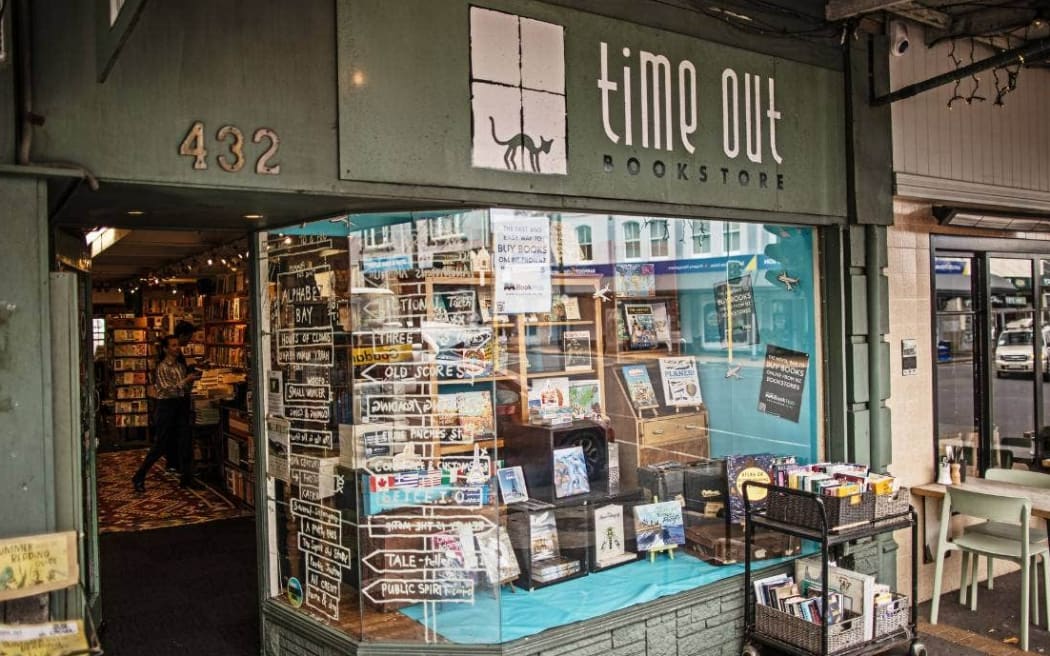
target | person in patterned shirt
[{"x": 171, "y": 422}]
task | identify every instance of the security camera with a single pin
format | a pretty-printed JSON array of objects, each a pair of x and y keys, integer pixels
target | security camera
[{"x": 898, "y": 38}]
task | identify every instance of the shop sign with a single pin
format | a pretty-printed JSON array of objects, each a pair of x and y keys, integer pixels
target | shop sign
[{"x": 535, "y": 98}]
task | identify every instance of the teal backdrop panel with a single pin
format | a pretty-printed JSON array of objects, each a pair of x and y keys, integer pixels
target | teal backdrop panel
[{"x": 434, "y": 92}]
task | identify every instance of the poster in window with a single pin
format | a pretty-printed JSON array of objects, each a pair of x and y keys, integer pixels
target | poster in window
[
  {"x": 783, "y": 381},
  {"x": 522, "y": 263},
  {"x": 735, "y": 305}
]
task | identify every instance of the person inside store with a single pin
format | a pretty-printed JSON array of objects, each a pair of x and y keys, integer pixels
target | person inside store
[
  {"x": 171, "y": 418},
  {"x": 184, "y": 332}
]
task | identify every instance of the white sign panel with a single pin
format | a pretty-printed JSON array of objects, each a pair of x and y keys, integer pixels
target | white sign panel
[{"x": 521, "y": 261}]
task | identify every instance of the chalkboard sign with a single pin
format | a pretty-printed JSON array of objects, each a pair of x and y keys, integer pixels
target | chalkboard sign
[{"x": 783, "y": 380}]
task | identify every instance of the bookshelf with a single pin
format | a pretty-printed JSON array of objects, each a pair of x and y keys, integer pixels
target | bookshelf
[
  {"x": 131, "y": 358},
  {"x": 226, "y": 317}
]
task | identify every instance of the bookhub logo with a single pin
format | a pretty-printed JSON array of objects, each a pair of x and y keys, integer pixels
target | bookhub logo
[{"x": 517, "y": 78}]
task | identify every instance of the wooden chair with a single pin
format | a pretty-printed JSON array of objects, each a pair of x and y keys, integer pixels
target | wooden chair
[
  {"x": 1009, "y": 510},
  {"x": 39, "y": 564}
]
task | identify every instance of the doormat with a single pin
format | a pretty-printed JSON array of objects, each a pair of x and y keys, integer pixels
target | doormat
[{"x": 164, "y": 504}]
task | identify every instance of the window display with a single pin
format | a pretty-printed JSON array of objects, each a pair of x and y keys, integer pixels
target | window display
[{"x": 460, "y": 405}]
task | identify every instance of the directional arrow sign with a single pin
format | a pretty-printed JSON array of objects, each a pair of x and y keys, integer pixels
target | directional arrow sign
[
  {"x": 412, "y": 526},
  {"x": 399, "y": 371},
  {"x": 390, "y": 591},
  {"x": 391, "y": 561}
]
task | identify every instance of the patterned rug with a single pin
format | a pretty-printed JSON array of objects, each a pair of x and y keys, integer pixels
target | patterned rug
[{"x": 164, "y": 504}]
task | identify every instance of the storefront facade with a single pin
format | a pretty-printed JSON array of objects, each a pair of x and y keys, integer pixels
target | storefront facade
[{"x": 438, "y": 220}]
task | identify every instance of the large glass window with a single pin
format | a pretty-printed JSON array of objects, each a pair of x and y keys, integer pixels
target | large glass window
[{"x": 440, "y": 415}]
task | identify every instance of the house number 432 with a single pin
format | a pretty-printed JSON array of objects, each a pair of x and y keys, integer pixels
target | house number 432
[{"x": 233, "y": 139}]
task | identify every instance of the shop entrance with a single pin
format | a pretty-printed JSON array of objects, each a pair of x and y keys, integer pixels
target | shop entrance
[
  {"x": 992, "y": 346},
  {"x": 191, "y": 523}
]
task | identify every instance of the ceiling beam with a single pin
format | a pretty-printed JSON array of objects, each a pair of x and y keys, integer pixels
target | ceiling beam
[
  {"x": 1032, "y": 50},
  {"x": 837, "y": 10}
]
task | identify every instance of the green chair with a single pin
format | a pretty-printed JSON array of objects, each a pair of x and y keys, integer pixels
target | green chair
[
  {"x": 1018, "y": 477},
  {"x": 1015, "y": 511}
]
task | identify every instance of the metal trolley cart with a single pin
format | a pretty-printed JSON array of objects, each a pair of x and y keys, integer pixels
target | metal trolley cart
[{"x": 829, "y": 521}]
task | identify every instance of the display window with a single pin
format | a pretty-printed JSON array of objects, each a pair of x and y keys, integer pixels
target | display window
[{"x": 485, "y": 424}]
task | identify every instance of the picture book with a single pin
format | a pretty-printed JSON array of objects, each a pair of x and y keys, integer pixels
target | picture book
[
  {"x": 659, "y": 525},
  {"x": 553, "y": 393},
  {"x": 640, "y": 330},
  {"x": 497, "y": 556},
  {"x": 512, "y": 484},
  {"x": 681, "y": 381},
  {"x": 557, "y": 312},
  {"x": 639, "y": 386},
  {"x": 635, "y": 279},
  {"x": 570, "y": 472},
  {"x": 576, "y": 345},
  {"x": 661, "y": 323},
  {"x": 585, "y": 399},
  {"x": 475, "y": 414},
  {"x": 572, "y": 308},
  {"x": 743, "y": 468},
  {"x": 543, "y": 532},
  {"x": 609, "y": 543}
]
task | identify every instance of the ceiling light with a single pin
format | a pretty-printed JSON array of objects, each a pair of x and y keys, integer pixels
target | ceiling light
[
  {"x": 223, "y": 260},
  {"x": 210, "y": 261},
  {"x": 253, "y": 216},
  {"x": 135, "y": 212},
  {"x": 174, "y": 291}
]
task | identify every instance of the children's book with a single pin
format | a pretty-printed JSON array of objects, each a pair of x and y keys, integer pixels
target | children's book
[
  {"x": 659, "y": 525},
  {"x": 585, "y": 398},
  {"x": 576, "y": 345},
  {"x": 680, "y": 380},
  {"x": 639, "y": 386},
  {"x": 572, "y": 308},
  {"x": 609, "y": 543},
  {"x": 661, "y": 323},
  {"x": 512, "y": 484},
  {"x": 543, "y": 530},
  {"x": 570, "y": 472},
  {"x": 553, "y": 397},
  {"x": 743, "y": 468},
  {"x": 635, "y": 280},
  {"x": 640, "y": 330}
]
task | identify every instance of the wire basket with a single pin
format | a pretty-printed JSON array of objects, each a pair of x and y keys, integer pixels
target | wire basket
[
  {"x": 892, "y": 616},
  {"x": 806, "y": 635},
  {"x": 887, "y": 505},
  {"x": 804, "y": 509}
]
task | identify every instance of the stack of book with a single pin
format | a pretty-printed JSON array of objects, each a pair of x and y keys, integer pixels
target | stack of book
[
  {"x": 554, "y": 568},
  {"x": 836, "y": 479}
]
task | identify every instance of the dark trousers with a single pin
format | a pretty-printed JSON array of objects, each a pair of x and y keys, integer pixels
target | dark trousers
[{"x": 171, "y": 423}]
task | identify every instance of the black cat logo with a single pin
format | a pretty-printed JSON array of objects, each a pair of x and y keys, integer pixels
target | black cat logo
[{"x": 521, "y": 140}]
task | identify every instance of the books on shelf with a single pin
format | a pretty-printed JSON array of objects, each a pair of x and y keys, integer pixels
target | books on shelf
[
  {"x": 639, "y": 386},
  {"x": 661, "y": 323},
  {"x": 576, "y": 345},
  {"x": 585, "y": 398},
  {"x": 658, "y": 525},
  {"x": 512, "y": 484},
  {"x": 609, "y": 543},
  {"x": 783, "y": 592},
  {"x": 554, "y": 569},
  {"x": 572, "y": 307},
  {"x": 570, "y": 472},
  {"x": 680, "y": 381},
  {"x": 641, "y": 332}
]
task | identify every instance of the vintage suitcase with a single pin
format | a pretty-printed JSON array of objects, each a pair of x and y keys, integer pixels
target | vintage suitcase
[
  {"x": 663, "y": 480},
  {"x": 704, "y": 484}
]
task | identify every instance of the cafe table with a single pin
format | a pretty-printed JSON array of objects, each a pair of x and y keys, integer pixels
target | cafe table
[{"x": 933, "y": 493}]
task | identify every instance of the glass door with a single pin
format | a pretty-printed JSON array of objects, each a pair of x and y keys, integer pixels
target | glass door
[
  {"x": 1014, "y": 336},
  {"x": 955, "y": 320}
]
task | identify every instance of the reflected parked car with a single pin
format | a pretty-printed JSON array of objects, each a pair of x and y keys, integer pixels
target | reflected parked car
[{"x": 1014, "y": 353}]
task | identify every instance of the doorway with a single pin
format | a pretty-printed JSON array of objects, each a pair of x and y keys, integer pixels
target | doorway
[
  {"x": 991, "y": 317},
  {"x": 177, "y": 563}
]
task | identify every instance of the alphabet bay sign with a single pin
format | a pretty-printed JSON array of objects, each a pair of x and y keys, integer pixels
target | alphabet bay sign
[{"x": 529, "y": 97}]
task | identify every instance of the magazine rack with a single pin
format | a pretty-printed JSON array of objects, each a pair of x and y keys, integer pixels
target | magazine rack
[{"x": 768, "y": 626}]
